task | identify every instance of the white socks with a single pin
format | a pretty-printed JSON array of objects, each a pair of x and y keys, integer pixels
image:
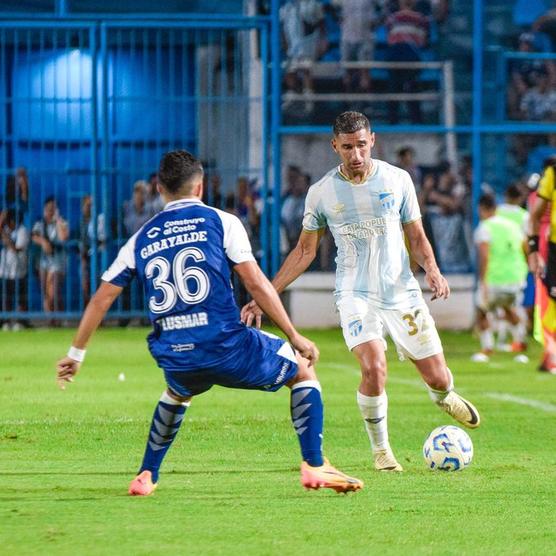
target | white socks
[
  {"x": 518, "y": 332},
  {"x": 374, "y": 410},
  {"x": 166, "y": 398},
  {"x": 487, "y": 339}
]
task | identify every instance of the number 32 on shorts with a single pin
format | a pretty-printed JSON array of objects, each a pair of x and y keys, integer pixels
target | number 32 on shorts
[{"x": 413, "y": 326}]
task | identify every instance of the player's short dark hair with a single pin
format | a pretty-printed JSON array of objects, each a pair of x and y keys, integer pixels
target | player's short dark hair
[
  {"x": 350, "y": 122},
  {"x": 177, "y": 168},
  {"x": 513, "y": 192},
  {"x": 487, "y": 201},
  {"x": 49, "y": 199}
]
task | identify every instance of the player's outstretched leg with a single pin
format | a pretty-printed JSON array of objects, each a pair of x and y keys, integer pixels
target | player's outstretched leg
[
  {"x": 440, "y": 384},
  {"x": 165, "y": 424},
  {"x": 374, "y": 410},
  {"x": 307, "y": 417},
  {"x": 454, "y": 405},
  {"x": 326, "y": 476}
]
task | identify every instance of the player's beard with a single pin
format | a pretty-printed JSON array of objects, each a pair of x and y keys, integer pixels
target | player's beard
[{"x": 361, "y": 172}]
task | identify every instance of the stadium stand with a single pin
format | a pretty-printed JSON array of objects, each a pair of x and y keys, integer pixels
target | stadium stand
[{"x": 92, "y": 133}]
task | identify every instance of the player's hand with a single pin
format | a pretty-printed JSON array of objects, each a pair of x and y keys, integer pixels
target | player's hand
[
  {"x": 251, "y": 312},
  {"x": 66, "y": 369},
  {"x": 305, "y": 347},
  {"x": 536, "y": 264},
  {"x": 438, "y": 284}
]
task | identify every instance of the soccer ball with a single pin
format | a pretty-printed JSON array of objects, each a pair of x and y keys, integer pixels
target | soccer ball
[{"x": 448, "y": 448}]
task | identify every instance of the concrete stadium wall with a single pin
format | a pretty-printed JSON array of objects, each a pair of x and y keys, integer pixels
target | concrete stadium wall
[{"x": 310, "y": 302}]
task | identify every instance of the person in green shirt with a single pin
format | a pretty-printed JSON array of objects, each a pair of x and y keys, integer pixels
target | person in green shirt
[
  {"x": 512, "y": 210},
  {"x": 502, "y": 271}
]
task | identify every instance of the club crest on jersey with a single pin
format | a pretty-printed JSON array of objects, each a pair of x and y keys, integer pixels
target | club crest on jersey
[
  {"x": 355, "y": 327},
  {"x": 386, "y": 199},
  {"x": 338, "y": 208},
  {"x": 153, "y": 232}
]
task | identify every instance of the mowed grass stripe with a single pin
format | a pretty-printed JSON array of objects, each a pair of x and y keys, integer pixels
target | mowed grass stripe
[
  {"x": 230, "y": 482},
  {"x": 543, "y": 406}
]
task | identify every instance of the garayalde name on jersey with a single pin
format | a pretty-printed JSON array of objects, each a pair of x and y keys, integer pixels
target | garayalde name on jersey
[
  {"x": 178, "y": 322},
  {"x": 169, "y": 242}
]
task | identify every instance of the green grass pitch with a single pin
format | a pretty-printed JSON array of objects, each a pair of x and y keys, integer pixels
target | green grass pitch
[{"x": 230, "y": 483}]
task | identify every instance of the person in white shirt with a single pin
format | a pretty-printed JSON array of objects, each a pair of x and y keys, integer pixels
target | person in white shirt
[
  {"x": 51, "y": 233},
  {"x": 13, "y": 266},
  {"x": 359, "y": 18},
  {"x": 371, "y": 209}
]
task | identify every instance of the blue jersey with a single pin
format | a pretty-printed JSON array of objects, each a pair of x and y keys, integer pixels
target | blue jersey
[{"x": 183, "y": 257}]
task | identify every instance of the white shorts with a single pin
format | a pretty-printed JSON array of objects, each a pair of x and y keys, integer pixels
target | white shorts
[
  {"x": 504, "y": 297},
  {"x": 412, "y": 330}
]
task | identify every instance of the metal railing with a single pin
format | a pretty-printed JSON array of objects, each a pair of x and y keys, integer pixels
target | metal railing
[
  {"x": 444, "y": 94},
  {"x": 89, "y": 107}
]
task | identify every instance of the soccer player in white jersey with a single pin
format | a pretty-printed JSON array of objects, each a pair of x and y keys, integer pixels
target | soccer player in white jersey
[
  {"x": 184, "y": 256},
  {"x": 370, "y": 208}
]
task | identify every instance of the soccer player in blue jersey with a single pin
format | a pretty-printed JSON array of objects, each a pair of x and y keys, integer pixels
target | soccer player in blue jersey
[
  {"x": 183, "y": 257},
  {"x": 371, "y": 209}
]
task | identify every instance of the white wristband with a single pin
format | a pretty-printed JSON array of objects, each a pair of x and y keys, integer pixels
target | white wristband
[{"x": 77, "y": 354}]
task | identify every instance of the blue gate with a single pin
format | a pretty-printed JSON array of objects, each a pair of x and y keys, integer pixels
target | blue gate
[{"x": 87, "y": 109}]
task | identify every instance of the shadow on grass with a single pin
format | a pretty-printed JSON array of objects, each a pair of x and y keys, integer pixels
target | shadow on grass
[
  {"x": 53, "y": 496},
  {"x": 131, "y": 473}
]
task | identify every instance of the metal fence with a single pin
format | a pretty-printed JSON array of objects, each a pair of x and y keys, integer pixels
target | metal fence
[
  {"x": 87, "y": 111},
  {"x": 89, "y": 103}
]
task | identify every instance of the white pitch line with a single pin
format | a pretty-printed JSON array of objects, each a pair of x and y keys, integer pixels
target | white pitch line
[
  {"x": 339, "y": 366},
  {"x": 394, "y": 379},
  {"x": 69, "y": 421},
  {"x": 543, "y": 406},
  {"x": 406, "y": 381}
]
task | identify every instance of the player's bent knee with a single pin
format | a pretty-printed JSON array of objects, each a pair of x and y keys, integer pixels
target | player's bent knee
[
  {"x": 374, "y": 369},
  {"x": 177, "y": 397},
  {"x": 304, "y": 371}
]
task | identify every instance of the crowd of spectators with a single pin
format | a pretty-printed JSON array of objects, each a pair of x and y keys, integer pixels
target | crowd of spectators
[
  {"x": 38, "y": 251},
  {"x": 35, "y": 251},
  {"x": 445, "y": 200},
  {"x": 41, "y": 253},
  {"x": 359, "y": 31},
  {"x": 316, "y": 31},
  {"x": 14, "y": 246},
  {"x": 44, "y": 246},
  {"x": 531, "y": 91}
]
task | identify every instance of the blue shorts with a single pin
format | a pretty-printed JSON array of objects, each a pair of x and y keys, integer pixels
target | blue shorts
[
  {"x": 529, "y": 293},
  {"x": 266, "y": 363}
]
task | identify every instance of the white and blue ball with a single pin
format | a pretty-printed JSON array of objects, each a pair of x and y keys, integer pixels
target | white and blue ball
[{"x": 448, "y": 448}]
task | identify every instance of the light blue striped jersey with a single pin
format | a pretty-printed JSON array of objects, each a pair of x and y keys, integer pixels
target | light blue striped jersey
[{"x": 365, "y": 220}]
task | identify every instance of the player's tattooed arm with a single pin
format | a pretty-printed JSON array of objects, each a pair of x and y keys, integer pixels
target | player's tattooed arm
[{"x": 421, "y": 251}]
